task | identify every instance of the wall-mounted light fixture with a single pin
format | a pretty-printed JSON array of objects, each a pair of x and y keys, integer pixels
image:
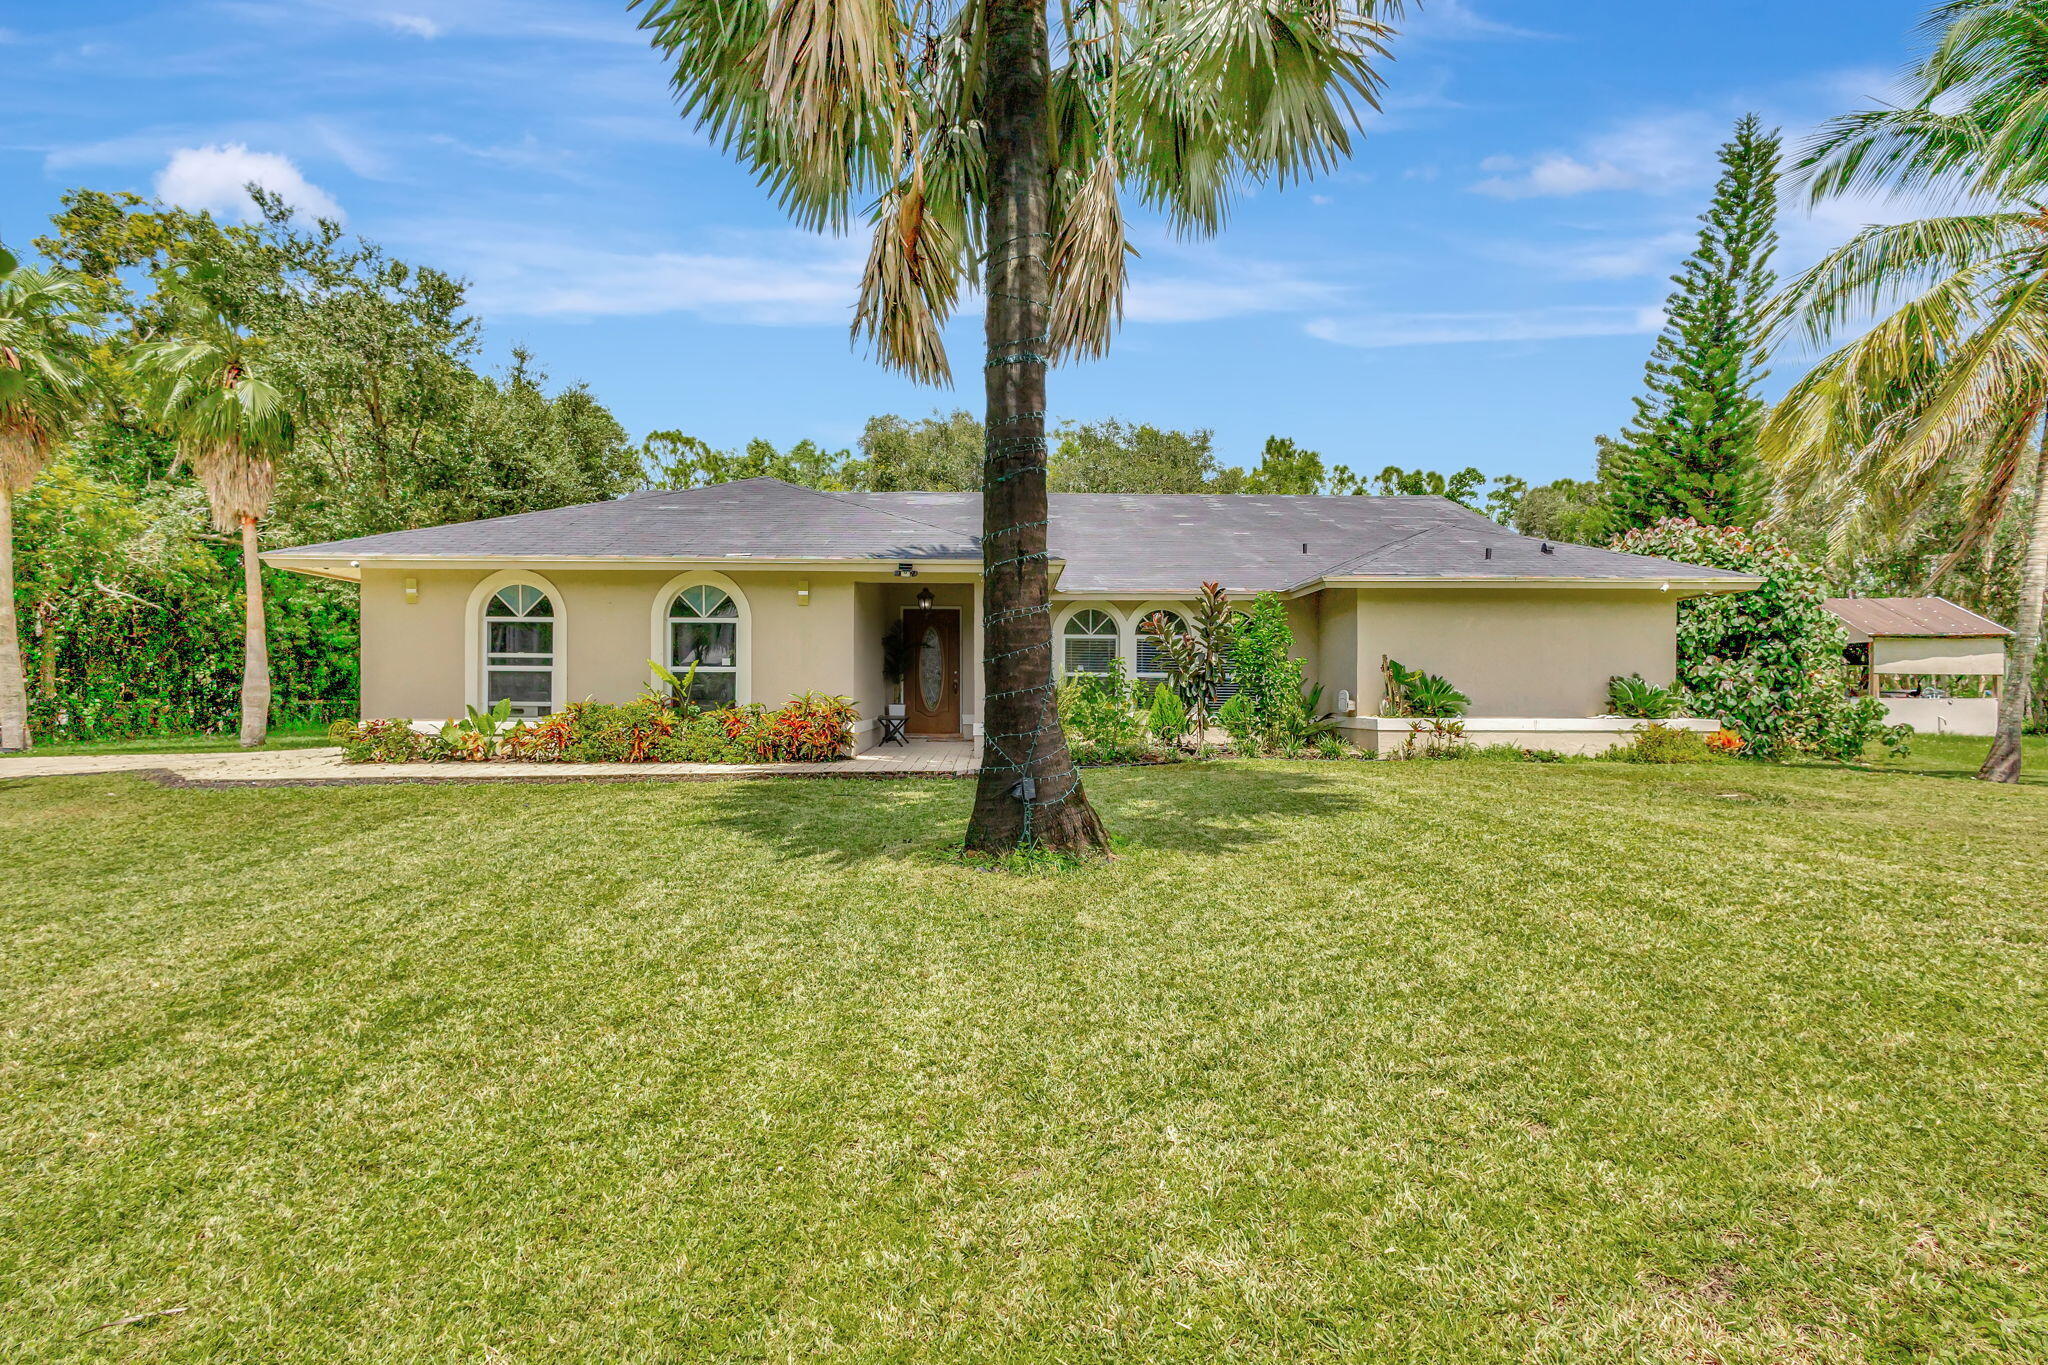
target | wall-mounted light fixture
[
  {"x": 803, "y": 592},
  {"x": 412, "y": 589},
  {"x": 906, "y": 571},
  {"x": 925, "y": 599}
]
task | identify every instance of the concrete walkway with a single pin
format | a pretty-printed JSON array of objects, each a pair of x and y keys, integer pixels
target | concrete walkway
[{"x": 323, "y": 767}]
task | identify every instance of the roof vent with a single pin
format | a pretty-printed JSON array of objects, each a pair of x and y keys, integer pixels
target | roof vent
[
  {"x": 1489, "y": 552},
  {"x": 1548, "y": 548},
  {"x": 1304, "y": 547}
]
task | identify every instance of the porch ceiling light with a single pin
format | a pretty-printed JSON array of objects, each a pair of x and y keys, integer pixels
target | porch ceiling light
[{"x": 925, "y": 599}]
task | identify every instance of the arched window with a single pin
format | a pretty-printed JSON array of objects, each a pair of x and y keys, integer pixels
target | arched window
[
  {"x": 704, "y": 632},
  {"x": 1148, "y": 666},
  {"x": 519, "y": 650},
  {"x": 1088, "y": 642}
]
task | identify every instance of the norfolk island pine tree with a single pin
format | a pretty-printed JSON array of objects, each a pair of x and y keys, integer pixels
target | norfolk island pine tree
[{"x": 951, "y": 126}]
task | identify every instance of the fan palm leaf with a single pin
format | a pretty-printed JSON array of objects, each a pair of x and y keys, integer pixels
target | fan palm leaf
[{"x": 46, "y": 319}]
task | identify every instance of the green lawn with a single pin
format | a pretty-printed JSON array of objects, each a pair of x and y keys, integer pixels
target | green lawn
[
  {"x": 1425, "y": 1062},
  {"x": 283, "y": 737}
]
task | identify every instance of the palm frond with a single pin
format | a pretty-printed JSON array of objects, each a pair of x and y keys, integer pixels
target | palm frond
[
  {"x": 911, "y": 283},
  {"x": 46, "y": 323},
  {"x": 1089, "y": 251},
  {"x": 1887, "y": 262}
]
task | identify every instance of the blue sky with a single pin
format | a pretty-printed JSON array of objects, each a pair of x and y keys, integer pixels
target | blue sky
[{"x": 1477, "y": 286}]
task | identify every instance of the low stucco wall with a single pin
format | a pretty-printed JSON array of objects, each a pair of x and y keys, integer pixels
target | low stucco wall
[
  {"x": 1944, "y": 715},
  {"x": 1558, "y": 735}
]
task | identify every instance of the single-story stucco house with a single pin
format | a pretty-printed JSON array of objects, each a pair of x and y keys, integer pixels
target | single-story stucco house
[{"x": 772, "y": 589}]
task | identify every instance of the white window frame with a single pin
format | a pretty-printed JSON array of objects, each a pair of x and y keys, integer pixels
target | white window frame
[
  {"x": 1138, "y": 618},
  {"x": 476, "y": 661},
  {"x": 743, "y": 650},
  {"x": 1119, "y": 642}
]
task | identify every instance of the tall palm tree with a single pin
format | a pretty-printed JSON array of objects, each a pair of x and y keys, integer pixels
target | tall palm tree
[
  {"x": 45, "y": 346},
  {"x": 234, "y": 416},
  {"x": 987, "y": 134},
  {"x": 1952, "y": 378}
]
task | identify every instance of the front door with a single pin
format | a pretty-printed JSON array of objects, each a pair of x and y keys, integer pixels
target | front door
[{"x": 934, "y": 681}]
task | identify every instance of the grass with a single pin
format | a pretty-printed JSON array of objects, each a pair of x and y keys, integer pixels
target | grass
[
  {"x": 281, "y": 737},
  {"x": 1444, "y": 1062}
]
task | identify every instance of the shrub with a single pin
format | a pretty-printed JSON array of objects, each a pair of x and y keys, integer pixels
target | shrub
[
  {"x": 1640, "y": 700},
  {"x": 1099, "y": 713},
  {"x": 1767, "y": 663},
  {"x": 811, "y": 727},
  {"x": 1437, "y": 737},
  {"x": 1241, "y": 722},
  {"x": 1411, "y": 692},
  {"x": 1654, "y": 743},
  {"x": 1167, "y": 717},
  {"x": 378, "y": 741},
  {"x": 1267, "y": 679},
  {"x": 600, "y": 732}
]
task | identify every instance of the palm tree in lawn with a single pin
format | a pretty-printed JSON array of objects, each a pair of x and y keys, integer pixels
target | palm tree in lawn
[
  {"x": 220, "y": 394},
  {"x": 992, "y": 135},
  {"x": 46, "y": 317},
  {"x": 1952, "y": 378}
]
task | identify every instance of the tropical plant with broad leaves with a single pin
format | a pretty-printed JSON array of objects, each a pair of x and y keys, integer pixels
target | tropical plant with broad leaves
[
  {"x": 1952, "y": 379},
  {"x": 46, "y": 321},
  {"x": 995, "y": 137},
  {"x": 1412, "y": 692},
  {"x": 213, "y": 385},
  {"x": 1196, "y": 656}
]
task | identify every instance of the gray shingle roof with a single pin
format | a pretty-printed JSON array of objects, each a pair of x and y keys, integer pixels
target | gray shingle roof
[
  {"x": 1141, "y": 544},
  {"x": 1924, "y": 617}
]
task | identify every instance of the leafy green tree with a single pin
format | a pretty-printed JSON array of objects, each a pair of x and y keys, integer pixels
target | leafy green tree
[
  {"x": 1691, "y": 449},
  {"x": 1114, "y": 456},
  {"x": 940, "y": 453},
  {"x": 1948, "y": 384},
  {"x": 1284, "y": 467},
  {"x": 211, "y": 381},
  {"x": 1262, "y": 665},
  {"x": 1569, "y": 510},
  {"x": 1767, "y": 662},
  {"x": 974, "y": 149},
  {"x": 1463, "y": 487},
  {"x": 674, "y": 460},
  {"x": 45, "y": 317}
]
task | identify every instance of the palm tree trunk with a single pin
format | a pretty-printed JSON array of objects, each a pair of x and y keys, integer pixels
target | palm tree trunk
[
  {"x": 1029, "y": 791},
  {"x": 13, "y": 685},
  {"x": 2003, "y": 762},
  {"x": 255, "y": 643}
]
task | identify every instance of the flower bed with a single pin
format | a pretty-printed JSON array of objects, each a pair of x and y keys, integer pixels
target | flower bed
[{"x": 811, "y": 728}]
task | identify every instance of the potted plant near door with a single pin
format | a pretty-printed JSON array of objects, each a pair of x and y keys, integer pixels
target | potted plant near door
[{"x": 896, "y": 652}]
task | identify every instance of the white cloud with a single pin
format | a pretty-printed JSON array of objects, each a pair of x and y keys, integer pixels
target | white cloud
[
  {"x": 1656, "y": 153},
  {"x": 1224, "y": 289},
  {"x": 418, "y": 25},
  {"x": 1454, "y": 19},
  {"x": 215, "y": 178},
  {"x": 1376, "y": 331}
]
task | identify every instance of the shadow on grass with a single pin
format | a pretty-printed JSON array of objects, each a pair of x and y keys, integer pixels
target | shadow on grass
[{"x": 1193, "y": 807}]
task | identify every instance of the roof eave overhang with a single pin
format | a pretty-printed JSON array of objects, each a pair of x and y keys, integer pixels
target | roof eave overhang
[
  {"x": 348, "y": 568},
  {"x": 1688, "y": 587}
]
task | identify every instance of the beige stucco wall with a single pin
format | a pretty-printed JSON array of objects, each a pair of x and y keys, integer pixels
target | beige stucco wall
[
  {"x": 419, "y": 658},
  {"x": 1514, "y": 652}
]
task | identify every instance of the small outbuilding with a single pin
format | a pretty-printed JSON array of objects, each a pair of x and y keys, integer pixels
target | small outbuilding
[{"x": 1913, "y": 652}]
